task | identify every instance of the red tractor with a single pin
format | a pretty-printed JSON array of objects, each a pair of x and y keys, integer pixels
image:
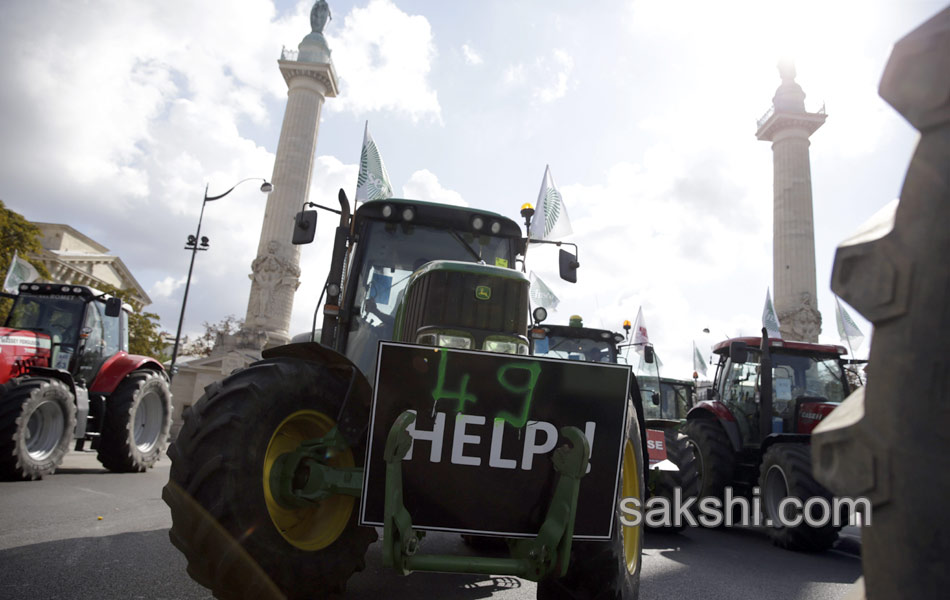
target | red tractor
[
  {"x": 66, "y": 374},
  {"x": 753, "y": 429}
]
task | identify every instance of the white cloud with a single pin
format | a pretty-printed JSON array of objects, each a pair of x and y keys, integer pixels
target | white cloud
[
  {"x": 383, "y": 57},
  {"x": 548, "y": 77},
  {"x": 164, "y": 288},
  {"x": 471, "y": 56},
  {"x": 424, "y": 185}
]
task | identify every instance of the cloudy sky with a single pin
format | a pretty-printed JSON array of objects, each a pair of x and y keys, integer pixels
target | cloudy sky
[{"x": 115, "y": 114}]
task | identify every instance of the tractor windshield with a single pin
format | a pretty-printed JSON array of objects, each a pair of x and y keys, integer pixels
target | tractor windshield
[
  {"x": 795, "y": 375},
  {"x": 389, "y": 253},
  {"x": 59, "y": 318},
  {"x": 585, "y": 349},
  {"x": 675, "y": 399}
]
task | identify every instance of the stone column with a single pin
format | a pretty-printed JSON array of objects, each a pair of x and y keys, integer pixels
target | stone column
[
  {"x": 275, "y": 272},
  {"x": 788, "y": 126}
]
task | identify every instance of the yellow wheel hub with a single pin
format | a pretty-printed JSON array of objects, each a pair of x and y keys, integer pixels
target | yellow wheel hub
[
  {"x": 631, "y": 489},
  {"x": 314, "y": 527}
]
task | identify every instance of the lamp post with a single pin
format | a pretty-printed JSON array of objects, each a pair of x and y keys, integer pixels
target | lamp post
[{"x": 193, "y": 245}]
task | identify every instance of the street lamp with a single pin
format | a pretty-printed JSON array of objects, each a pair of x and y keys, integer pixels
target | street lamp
[{"x": 196, "y": 243}]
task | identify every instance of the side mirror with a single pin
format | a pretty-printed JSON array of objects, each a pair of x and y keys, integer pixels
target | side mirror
[
  {"x": 648, "y": 355},
  {"x": 568, "y": 264},
  {"x": 113, "y": 307},
  {"x": 739, "y": 352},
  {"x": 710, "y": 394},
  {"x": 305, "y": 227},
  {"x": 655, "y": 399}
]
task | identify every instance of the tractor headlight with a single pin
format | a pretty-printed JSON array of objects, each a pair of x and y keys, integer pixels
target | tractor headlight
[
  {"x": 453, "y": 341},
  {"x": 445, "y": 340},
  {"x": 505, "y": 345}
]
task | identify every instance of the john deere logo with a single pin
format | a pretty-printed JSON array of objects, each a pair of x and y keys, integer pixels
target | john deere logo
[{"x": 483, "y": 292}]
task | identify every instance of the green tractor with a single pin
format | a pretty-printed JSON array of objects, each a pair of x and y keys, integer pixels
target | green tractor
[
  {"x": 279, "y": 469},
  {"x": 659, "y": 409}
]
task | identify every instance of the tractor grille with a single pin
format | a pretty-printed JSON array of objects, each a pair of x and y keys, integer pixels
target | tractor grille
[{"x": 446, "y": 299}]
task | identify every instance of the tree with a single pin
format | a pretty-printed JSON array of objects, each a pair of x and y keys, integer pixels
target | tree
[
  {"x": 20, "y": 236},
  {"x": 145, "y": 334},
  {"x": 203, "y": 345}
]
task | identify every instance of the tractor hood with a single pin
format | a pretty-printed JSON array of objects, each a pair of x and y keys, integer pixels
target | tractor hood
[
  {"x": 19, "y": 348},
  {"x": 461, "y": 299}
]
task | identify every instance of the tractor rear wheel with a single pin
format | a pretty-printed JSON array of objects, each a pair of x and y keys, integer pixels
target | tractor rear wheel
[
  {"x": 37, "y": 420},
  {"x": 137, "y": 419},
  {"x": 609, "y": 570},
  {"x": 682, "y": 452},
  {"x": 238, "y": 540},
  {"x": 717, "y": 461},
  {"x": 786, "y": 472}
]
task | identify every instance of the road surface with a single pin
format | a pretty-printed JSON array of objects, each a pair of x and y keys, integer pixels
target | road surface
[{"x": 53, "y": 544}]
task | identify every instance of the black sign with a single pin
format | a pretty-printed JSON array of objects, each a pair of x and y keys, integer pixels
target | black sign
[{"x": 486, "y": 426}]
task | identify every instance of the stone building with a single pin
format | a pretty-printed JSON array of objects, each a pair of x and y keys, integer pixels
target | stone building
[{"x": 73, "y": 257}]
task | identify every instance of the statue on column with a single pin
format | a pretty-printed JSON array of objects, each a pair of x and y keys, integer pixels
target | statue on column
[{"x": 319, "y": 15}]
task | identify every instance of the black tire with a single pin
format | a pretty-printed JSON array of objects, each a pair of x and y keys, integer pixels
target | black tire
[
  {"x": 682, "y": 452},
  {"x": 37, "y": 420},
  {"x": 222, "y": 519},
  {"x": 138, "y": 416},
  {"x": 717, "y": 460},
  {"x": 785, "y": 472},
  {"x": 600, "y": 570}
]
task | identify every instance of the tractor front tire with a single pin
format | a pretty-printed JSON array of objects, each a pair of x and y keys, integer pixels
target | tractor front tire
[
  {"x": 609, "y": 570},
  {"x": 682, "y": 452},
  {"x": 786, "y": 472},
  {"x": 138, "y": 416},
  {"x": 37, "y": 420},
  {"x": 238, "y": 541},
  {"x": 717, "y": 460}
]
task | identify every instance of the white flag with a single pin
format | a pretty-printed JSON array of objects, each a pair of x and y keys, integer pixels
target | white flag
[
  {"x": 769, "y": 318},
  {"x": 20, "y": 272},
  {"x": 373, "y": 180},
  {"x": 640, "y": 336},
  {"x": 847, "y": 328},
  {"x": 699, "y": 362},
  {"x": 550, "y": 215},
  {"x": 541, "y": 294}
]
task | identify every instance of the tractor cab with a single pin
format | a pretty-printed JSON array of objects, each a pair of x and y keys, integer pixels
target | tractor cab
[
  {"x": 676, "y": 398},
  {"x": 75, "y": 328},
  {"x": 428, "y": 273},
  {"x": 575, "y": 342},
  {"x": 777, "y": 387}
]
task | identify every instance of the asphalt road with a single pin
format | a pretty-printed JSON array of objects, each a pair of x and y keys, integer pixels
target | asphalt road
[{"x": 54, "y": 545}]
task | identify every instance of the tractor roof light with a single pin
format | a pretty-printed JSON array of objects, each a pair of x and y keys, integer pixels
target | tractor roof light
[
  {"x": 538, "y": 333},
  {"x": 24, "y": 287},
  {"x": 34, "y": 288},
  {"x": 408, "y": 214},
  {"x": 65, "y": 289},
  {"x": 626, "y": 325},
  {"x": 540, "y": 314},
  {"x": 478, "y": 222},
  {"x": 527, "y": 210},
  {"x": 77, "y": 290},
  {"x": 495, "y": 227},
  {"x": 605, "y": 335},
  {"x": 387, "y": 210}
]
